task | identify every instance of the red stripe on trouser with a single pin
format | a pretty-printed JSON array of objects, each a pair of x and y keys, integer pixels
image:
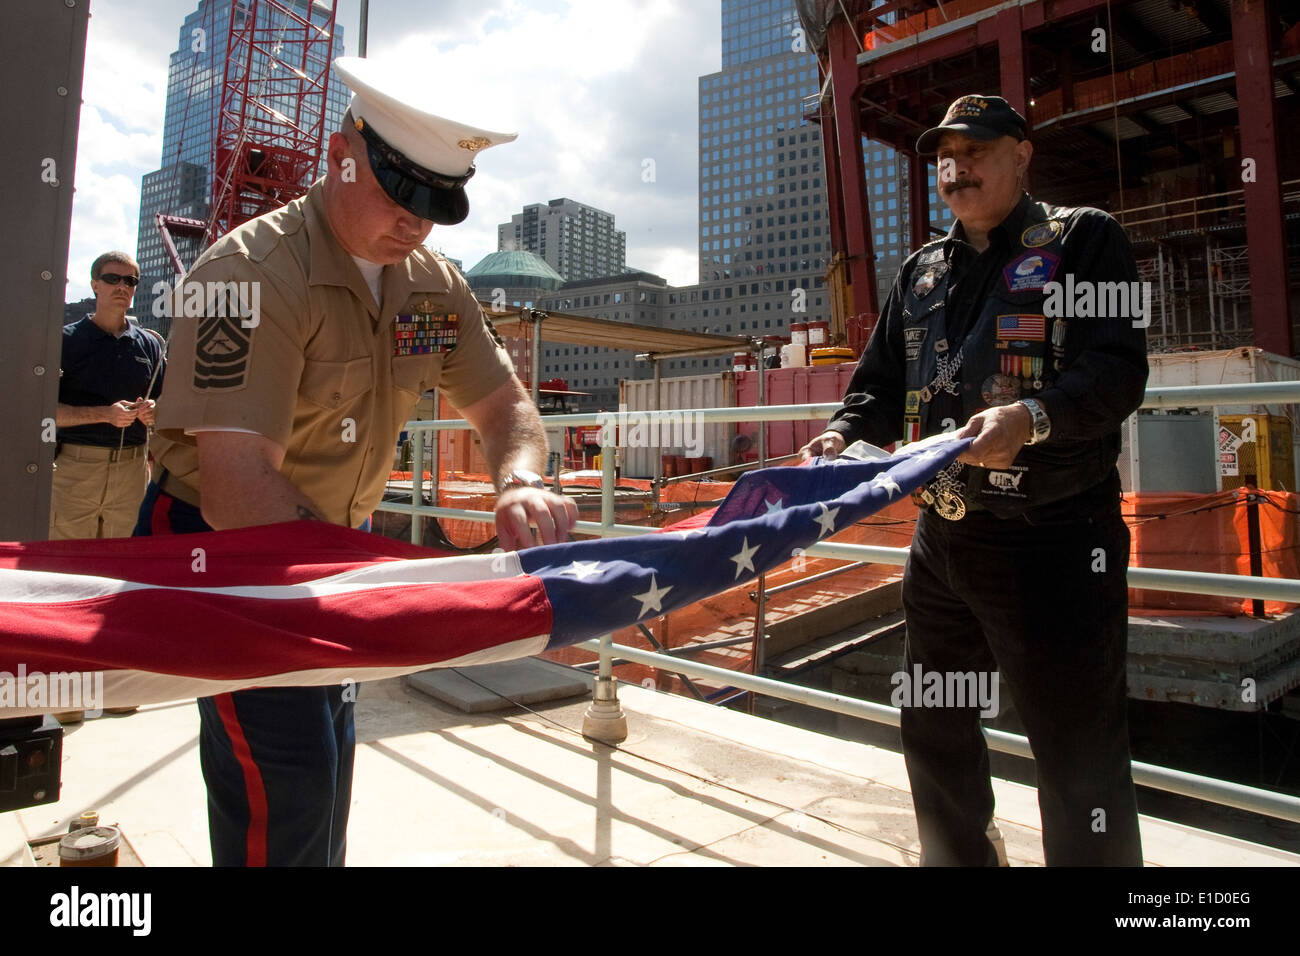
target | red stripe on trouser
[
  {"x": 253, "y": 786},
  {"x": 158, "y": 523}
]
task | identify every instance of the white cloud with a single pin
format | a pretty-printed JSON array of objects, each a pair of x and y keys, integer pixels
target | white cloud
[
  {"x": 594, "y": 87},
  {"x": 118, "y": 140}
]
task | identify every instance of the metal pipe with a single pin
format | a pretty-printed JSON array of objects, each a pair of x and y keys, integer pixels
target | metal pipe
[
  {"x": 719, "y": 471},
  {"x": 1286, "y": 590},
  {"x": 1160, "y": 269},
  {"x": 1244, "y": 393},
  {"x": 657, "y": 460},
  {"x": 811, "y": 578},
  {"x": 417, "y": 486},
  {"x": 741, "y": 344},
  {"x": 1252, "y": 537},
  {"x": 706, "y": 416},
  {"x": 437, "y": 450},
  {"x": 1209, "y": 290},
  {"x": 535, "y": 373},
  {"x": 364, "y": 29},
  {"x": 1222, "y": 792}
]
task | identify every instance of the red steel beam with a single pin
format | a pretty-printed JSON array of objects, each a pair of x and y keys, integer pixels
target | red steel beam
[
  {"x": 1257, "y": 114},
  {"x": 1011, "y": 60},
  {"x": 842, "y": 47},
  {"x": 918, "y": 184}
]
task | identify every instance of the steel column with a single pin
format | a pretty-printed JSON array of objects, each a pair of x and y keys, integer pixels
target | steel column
[
  {"x": 918, "y": 175},
  {"x": 1011, "y": 60},
  {"x": 45, "y": 51},
  {"x": 1252, "y": 35},
  {"x": 852, "y": 177}
]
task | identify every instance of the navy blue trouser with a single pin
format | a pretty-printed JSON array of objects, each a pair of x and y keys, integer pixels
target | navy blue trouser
[
  {"x": 277, "y": 761},
  {"x": 1030, "y": 601}
]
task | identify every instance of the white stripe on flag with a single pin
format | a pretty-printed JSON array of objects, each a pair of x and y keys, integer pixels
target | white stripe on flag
[
  {"x": 130, "y": 688},
  {"x": 52, "y": 587}
]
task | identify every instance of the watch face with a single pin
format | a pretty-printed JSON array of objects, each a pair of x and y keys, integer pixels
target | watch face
[{"x": 529, "y": 478}]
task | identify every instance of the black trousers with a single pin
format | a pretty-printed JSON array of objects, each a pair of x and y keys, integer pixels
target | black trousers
[{"x": 1047, "y": 607}]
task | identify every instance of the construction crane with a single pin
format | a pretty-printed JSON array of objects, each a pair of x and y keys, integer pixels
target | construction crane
[{"x": 271, "y": 122}]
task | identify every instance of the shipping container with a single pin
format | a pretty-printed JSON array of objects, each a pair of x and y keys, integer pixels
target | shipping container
[
  {"x": 717, "y": 390},
  {"x": 1231, "y": 366},
  {"x": 788, "y": 386}
]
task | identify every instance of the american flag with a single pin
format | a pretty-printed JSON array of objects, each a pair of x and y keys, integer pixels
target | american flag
[
  {"x": 308, "y": 603},
  {"x": 1027, "y": 327}
]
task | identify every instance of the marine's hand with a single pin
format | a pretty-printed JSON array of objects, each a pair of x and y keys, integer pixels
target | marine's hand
[
  {"x": 517, "y": 508},
  {"x": 827, "y": 444},
  {"x": 999, "y": 434}
]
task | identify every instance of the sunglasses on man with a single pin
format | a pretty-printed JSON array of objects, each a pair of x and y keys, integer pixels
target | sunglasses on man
[{"x": 113, "y": 278}]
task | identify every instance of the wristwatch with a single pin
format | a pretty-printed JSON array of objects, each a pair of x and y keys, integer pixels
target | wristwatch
[
  {"x": 522, "y": 479},
  {"x": 1042, "y": 424}
]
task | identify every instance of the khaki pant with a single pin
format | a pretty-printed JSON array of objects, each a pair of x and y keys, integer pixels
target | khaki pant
[{"x": 94, "y": 496}]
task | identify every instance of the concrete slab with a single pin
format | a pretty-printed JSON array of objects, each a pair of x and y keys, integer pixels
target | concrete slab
[
  {"x": 692, "y": 786},
  {"x": 486, "y": 687}
]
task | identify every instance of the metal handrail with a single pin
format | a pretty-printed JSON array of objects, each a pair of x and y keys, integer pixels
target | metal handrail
[{"x": 1191, "y": 582}]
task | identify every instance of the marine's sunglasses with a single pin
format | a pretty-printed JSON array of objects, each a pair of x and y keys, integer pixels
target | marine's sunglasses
[{"x": 113, "y": 278}]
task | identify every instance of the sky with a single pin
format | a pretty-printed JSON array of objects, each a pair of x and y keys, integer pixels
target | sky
[{"x": 595, "y": 89}]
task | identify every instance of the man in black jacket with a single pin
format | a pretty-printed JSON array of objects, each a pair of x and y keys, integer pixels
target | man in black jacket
[{"x": 1023, "y": 329}]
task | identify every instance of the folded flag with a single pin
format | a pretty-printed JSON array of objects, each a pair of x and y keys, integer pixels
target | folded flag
[{"x": 306, "y": 603}]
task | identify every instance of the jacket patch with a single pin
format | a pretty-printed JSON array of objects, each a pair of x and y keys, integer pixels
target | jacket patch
[
  {"x": 1041, "y": 234},
  {"x": 1007, "y": 483},
  {"x": 1031, "y": 271},
  {"x": 221, "y": 353},
  {"x": 913, "y": 338},
  {"x": 1021, "y": 329}
]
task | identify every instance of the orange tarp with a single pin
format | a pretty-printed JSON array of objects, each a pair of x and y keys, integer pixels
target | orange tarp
[{"x": 1189, "y": 532}]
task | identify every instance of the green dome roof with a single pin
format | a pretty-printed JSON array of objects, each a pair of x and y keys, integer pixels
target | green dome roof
[{"x": 515, "y": 269}]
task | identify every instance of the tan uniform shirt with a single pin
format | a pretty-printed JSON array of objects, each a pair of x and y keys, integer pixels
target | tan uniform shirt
[{"x": 319, "y": 369}]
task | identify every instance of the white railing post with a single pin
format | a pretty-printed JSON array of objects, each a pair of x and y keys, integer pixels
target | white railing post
[
  {"x": 604, "y": 720},
  {"x": 417, "y": 483}
]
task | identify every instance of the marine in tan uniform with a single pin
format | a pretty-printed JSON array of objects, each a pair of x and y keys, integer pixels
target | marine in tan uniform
[{"x": 301, "y": 343}]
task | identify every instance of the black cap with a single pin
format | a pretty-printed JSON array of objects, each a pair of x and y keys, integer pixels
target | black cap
[{"x": 976, "y": 116}]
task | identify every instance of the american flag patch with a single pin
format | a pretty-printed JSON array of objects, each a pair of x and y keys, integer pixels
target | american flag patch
[{"x": 1029, "y": 328}]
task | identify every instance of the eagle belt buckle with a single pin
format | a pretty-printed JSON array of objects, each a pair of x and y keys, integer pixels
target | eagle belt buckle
[{"x": 948, "y": 504}]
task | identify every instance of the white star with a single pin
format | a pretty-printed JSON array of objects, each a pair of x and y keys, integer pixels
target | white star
[
  {"x": 745, "y": 558},
  {"x": 773, "y": 505},
  {"x": 883, "y": 481},
  {"x": 652, "y": 600},
  {"x": 582, "y": 569},
  {"x": 826, "y": 519}
]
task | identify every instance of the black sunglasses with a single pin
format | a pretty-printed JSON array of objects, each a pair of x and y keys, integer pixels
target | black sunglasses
[{"x": 113, "y": 278}]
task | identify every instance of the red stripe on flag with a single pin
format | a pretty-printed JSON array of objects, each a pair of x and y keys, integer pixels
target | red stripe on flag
[
  {"x": 229, "y": 637},
  {"x": 253, "y": 785}
]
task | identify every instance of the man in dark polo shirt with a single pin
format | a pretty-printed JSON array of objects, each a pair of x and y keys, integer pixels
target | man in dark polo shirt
[
  {"x": 1018, "y": 564},
  {"x": 111, "y": 371}
]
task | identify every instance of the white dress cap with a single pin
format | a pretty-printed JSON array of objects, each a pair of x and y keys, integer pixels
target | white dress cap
[{"x": 398, "y": 105}]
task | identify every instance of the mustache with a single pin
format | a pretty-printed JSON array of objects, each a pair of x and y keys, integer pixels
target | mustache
[{"x": 960, "y": 183}]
